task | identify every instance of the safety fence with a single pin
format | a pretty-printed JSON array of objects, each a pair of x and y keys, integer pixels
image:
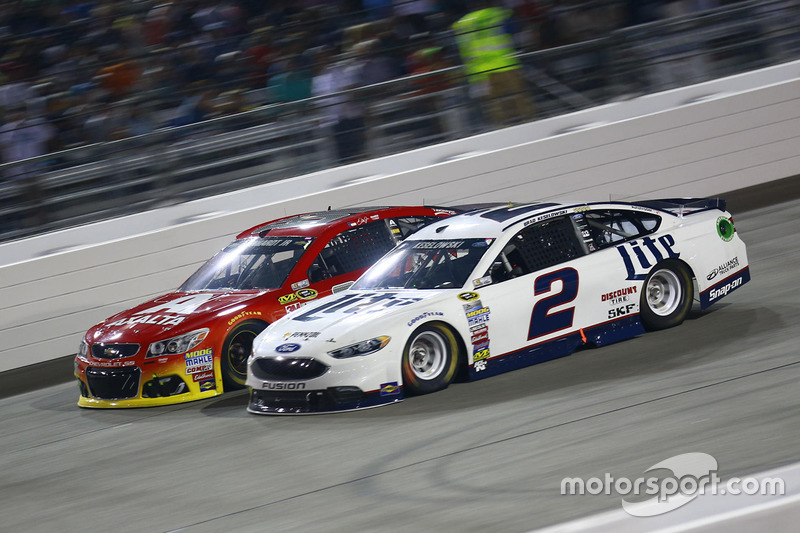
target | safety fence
[{"x": 276, "y": 141}]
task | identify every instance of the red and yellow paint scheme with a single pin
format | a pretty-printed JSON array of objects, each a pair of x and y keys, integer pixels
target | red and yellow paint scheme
[{"x": 194, "y": 343}]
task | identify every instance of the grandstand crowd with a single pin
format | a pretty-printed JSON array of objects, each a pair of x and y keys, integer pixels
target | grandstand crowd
[{"x": 76, "y": 72}]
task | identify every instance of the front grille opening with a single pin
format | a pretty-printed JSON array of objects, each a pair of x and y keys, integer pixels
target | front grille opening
[
  {"x": 291, "y": 368},
  {"x": 113, "y": 383},
  {"x": 114, "y": 351},
  {"x": 164, "y": 386}
]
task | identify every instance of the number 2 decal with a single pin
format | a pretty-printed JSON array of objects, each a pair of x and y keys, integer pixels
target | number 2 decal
[{"x": 542, "y": 321}]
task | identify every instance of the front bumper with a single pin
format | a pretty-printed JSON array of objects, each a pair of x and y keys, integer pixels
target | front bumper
[
  {"x": 333, "y": 399},
  {"x": 315, "y": 383},
  {"x": 131, "y": 385}
]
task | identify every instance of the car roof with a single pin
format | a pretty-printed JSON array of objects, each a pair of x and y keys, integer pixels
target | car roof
[
  {"x": 492, "y": 222},
  {"x": 315, "y": 224}
]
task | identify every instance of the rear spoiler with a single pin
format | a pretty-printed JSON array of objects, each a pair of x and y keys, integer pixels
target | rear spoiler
[{"x": 684, "y": 206}]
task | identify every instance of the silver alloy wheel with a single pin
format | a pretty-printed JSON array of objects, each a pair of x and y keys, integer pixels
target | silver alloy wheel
[
  {"x": 664, "y": 292},
  {"x": 427, "y": 355}
]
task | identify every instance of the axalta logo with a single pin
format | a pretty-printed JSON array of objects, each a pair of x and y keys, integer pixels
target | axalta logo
[
  {"x": 283, "y": 386},
  {"x": 725, "y": 289},
  {"x": 640, "y": 255}
]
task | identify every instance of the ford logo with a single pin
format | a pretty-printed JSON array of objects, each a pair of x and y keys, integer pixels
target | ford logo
[{"x": 287, "y": 348}]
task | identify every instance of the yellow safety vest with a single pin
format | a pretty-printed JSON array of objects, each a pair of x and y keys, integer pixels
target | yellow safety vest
[{"x": 484, "y": 45}]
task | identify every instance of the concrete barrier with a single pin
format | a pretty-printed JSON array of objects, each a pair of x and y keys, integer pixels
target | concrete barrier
[{"x": 702, "y": 140}]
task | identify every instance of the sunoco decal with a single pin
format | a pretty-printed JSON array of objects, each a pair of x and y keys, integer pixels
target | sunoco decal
[
  {"x": 725, "y": 229},
  {"x": 390, "y": 389}
]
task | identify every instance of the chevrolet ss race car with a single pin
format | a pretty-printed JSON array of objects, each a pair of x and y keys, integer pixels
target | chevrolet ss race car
[
  {"x": 493, "y": 290},
  {"x": 193, "y": 343}
]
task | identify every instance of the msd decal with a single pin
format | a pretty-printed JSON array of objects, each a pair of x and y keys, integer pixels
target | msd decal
[{"x": 640, "y": 255}]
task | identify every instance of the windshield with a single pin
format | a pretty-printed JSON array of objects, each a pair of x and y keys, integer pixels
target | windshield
[
  {"x": 249, "y": 264},
  {"x": 426, "y": 265}
]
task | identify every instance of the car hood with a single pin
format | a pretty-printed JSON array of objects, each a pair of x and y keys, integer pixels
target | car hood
[
  {"x": 348, "y": 316},
  {"x": 172, "y": 313}
]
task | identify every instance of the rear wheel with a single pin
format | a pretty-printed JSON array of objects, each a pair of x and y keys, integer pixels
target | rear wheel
[
  {"x": 666, "y": 296},
  {"x": 430, "y": 359},
  {"x": 235, "y": 351}
]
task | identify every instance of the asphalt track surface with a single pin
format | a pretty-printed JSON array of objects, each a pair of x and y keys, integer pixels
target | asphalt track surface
[{"x": 484, "y": 456}]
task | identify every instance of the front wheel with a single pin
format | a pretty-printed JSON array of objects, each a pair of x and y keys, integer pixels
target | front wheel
[
  {"x": 235, "y": 351},
  {"x": 430, "y": 359},
  {"x": 666, "y": 296}
]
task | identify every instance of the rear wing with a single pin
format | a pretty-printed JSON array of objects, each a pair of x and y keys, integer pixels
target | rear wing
[{"x": 684, "y": 206}]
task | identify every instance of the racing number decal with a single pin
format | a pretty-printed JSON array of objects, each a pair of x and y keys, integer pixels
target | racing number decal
[{"x": 542, "y": 321}]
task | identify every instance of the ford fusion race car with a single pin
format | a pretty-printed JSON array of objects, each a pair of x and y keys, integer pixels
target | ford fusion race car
[
  {"x": 193, "y": 343},
  {"x": 493, "y": 290}
]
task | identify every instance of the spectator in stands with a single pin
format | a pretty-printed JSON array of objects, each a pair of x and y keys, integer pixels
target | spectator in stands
[
  {"x": 495, "y": 74},
  {"x": 24, "y": 136}
]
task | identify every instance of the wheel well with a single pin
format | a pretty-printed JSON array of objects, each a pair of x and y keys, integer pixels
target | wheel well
[
  {"x": 688, "y": 268},
  {"x": 462, "y": 371}
]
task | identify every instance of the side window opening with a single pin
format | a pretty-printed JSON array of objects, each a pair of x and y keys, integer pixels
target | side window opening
[
  {"x": 604, "y": 228},
  {"x": 537, "y": 247},
  {"x": 352, "y": 250},
  {"x": 402, "y": 227}
]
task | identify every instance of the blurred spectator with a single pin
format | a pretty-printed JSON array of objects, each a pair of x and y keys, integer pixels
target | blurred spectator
[
  {"x": 488, "y": 54},
  {"x": 23, "y": 136},
  {"x": 197, "y": 106},
  {"x": 293, "y": 83}
]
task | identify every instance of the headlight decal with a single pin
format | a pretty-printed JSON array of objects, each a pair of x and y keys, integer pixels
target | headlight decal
[
  {"x": 177, "y": 345},
  {"x": 361, "y": 348}
]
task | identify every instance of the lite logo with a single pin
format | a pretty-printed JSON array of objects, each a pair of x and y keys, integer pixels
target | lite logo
[{"x": 640, "y": 255}]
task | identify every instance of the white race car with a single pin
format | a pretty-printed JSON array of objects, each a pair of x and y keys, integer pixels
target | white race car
[{"x": 494, "y": 290}]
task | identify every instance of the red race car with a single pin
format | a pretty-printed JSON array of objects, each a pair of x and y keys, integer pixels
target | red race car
[{"x": 194, "y": 343}]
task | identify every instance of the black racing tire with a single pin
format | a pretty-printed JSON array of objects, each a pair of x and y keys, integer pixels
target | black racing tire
[
  {"x": 666, "y": 297},
  {"x": 235, "y": 351},
  {"x": 430, "y": 359}
]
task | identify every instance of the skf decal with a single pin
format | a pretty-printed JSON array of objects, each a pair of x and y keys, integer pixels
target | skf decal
[
  {"x": 390, "y": 389},
  {"x": 199, "y": 361},
  {"x": 723, "y": 268},
  {"x": 618, "y": 296},
  {"x": 468, "y": 296},
  {"x": 647, "y": 252},
  {"x": 242, "y": 315},
  {"x": 621, "y": 311}
]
